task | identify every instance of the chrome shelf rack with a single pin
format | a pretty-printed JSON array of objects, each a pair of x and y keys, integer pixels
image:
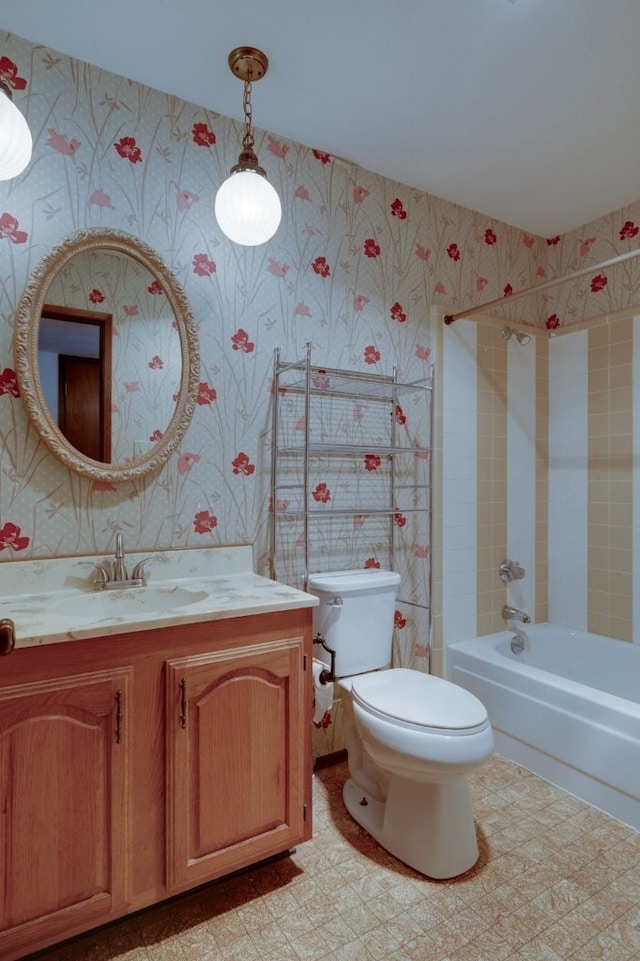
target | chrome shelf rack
[{"x": 350, "y": 430}]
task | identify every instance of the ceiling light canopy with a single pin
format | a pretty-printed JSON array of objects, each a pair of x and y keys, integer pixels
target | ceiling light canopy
[
  {"x": 15, "y": 136},
  {"x": 247, "y": 206}
]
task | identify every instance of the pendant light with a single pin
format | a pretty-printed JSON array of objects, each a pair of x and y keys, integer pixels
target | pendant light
[
  {"x": 15, "y": 136},
  {"x": 247, "y": 206}
]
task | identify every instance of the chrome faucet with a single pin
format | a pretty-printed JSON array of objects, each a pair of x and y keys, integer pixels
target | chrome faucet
[
  {"x": 513, "y": 614},
  {"x": 108, "y": 577}
]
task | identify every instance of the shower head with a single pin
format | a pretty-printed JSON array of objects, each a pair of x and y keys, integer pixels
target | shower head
[{"x": 520, "y": 336}]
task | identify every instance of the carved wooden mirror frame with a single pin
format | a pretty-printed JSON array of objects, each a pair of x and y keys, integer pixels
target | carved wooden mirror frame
[{"x": 26, "y": 353}]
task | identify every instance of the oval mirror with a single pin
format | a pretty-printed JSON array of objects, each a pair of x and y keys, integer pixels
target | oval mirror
[{"x": 106, "y": 354}]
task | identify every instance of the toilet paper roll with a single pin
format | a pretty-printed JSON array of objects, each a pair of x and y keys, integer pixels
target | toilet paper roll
[{"x": 323, "y": 693}]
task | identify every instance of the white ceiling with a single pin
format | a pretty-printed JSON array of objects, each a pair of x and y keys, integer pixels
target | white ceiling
[{"x": 525, "y": 110}]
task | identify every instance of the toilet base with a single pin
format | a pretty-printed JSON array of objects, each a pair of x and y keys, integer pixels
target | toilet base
[{"x": 430, "y": 827}]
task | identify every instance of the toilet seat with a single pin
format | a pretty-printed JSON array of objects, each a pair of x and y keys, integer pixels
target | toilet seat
[{"x": 420, "y": 702}]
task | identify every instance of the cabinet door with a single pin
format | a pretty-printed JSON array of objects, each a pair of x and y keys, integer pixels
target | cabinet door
[
  {"x": 236, "y": 753},
  {"x": 63, "y": 806}
]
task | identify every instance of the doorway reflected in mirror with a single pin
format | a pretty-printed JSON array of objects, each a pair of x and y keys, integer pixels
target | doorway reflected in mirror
[{"x": 74, "y": 354}]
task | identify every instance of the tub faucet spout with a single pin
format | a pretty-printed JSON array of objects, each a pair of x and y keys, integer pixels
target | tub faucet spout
[{"x": 513, "y": 614}]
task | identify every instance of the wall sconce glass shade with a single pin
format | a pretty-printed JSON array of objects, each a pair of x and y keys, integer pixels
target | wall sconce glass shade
[
  {"x": 15, "y": 137},
  {"x": 248, "y": 208}
]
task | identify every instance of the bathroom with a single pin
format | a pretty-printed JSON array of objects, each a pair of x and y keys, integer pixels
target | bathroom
[{"x": 215, "y": 490}]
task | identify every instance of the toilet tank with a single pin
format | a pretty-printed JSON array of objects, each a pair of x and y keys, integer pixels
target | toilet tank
[{"x": 355, "y": 617}]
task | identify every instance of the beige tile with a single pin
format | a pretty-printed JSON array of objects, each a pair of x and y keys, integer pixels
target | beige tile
[
  {"x": 599, "y": 420},
  {"x": 622, "y": 396},
  {"x": 604, "y": 948},
  {"x": 567, "y": 935},
  {"x": 619, "y": 358},
  {"x": 537, "y": 950},
  {"x": 556, "y": 879},
  {"x": 598, "y": 381},
  {"x": 598, "y": 403},
  {"x": 599, "y": 337},
  {"x": 622, "y": 423}
]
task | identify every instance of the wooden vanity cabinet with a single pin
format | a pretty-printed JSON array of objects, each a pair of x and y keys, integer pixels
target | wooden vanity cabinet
[
  {"x": 137, "y": 766},
  {"x": 65, "y": 813},
  {"x": 235, "y": 758}
]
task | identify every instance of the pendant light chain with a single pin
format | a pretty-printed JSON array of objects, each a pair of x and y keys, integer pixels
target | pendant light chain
[{"x": 248, "y": 141}]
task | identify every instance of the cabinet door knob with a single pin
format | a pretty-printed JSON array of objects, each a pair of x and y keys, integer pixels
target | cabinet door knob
[{"x": 7, "y": 635}]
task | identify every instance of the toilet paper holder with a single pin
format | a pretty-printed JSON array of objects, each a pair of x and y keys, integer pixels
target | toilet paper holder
[{"x": 326, "y": 676}]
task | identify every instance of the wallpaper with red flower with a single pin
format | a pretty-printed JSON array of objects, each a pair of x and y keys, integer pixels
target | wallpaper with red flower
[{"x": 354, "y": 268}]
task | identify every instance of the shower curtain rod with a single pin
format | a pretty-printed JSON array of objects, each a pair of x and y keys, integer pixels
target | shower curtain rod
[{"x": 536, "y": 288}]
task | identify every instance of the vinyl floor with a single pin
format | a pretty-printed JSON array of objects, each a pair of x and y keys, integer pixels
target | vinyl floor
[{"x": 556, "y": 880}]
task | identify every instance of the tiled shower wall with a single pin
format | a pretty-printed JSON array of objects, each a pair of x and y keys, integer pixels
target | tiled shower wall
[
  {"x": 490, "y": 483},
  {"x": 593, "y": 565},
  {"x": 610, "y": 491},
  {"x": 543, "y": 474}
]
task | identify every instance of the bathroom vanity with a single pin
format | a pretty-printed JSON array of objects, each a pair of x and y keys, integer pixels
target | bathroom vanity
[{"x": 144, "y": 752}]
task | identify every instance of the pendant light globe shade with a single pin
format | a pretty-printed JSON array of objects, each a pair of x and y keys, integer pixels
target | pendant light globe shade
[
  {"x": 15, "y": 138},
  {"x": 248, "y": 208}
]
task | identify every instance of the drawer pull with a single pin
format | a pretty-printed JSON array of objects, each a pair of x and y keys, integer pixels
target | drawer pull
[
  {"x": 118, "y": 717},
  {"x": 183, "y": 702}
]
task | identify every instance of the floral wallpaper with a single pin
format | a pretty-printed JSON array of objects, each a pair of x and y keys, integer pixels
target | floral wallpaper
[
  {"x": 354, "y": 268},
  {"x": 592, "y": 286},
  {"x": 600, "y": 291}
]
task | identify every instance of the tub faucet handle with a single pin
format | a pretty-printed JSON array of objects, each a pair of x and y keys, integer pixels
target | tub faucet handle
[{"x": 510, "y": 571}]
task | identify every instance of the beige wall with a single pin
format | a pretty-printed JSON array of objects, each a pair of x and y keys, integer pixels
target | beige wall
[
  {"x": 492, "y": 474},
  {"x": 610, "y": 422}
]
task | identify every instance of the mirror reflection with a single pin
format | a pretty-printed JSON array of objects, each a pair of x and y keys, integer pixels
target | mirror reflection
[
  {"x": 106, "y": 355},
  {"x": 76, "y": 378},
  {"x": 109, "y": 355}
]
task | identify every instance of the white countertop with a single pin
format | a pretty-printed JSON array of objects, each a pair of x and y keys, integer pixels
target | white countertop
[{"x": 51, "y": 601}]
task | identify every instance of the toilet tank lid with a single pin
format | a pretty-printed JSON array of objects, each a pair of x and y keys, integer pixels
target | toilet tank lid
[
  {"x": 420, "y": 700},
  {"x": 360, "y": 579}
]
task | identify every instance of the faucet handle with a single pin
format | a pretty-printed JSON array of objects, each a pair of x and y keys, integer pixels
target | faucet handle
[
  {"x": 138, "y": 571},
  {"x": 101, "y": 577}
]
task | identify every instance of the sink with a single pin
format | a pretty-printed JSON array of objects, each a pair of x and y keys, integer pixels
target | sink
[{"x": 98, "y": 605}]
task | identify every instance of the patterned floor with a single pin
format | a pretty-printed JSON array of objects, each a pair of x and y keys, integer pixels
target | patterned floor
[{"x": 556, "y": 880}]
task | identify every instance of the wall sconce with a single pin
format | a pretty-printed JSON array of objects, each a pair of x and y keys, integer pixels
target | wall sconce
[
  {"x": 247, "y": 206},
  {"x": 15, "y": 136}
]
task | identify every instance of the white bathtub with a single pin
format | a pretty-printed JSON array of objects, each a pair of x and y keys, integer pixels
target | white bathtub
[{"x": 567, "y": 708}]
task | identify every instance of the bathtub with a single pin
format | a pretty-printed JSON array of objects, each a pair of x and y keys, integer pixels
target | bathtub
[{"x": 567, "y": 708}]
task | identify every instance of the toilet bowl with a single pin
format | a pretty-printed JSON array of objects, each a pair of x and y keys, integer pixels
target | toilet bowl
[
  {"x": 426, "y": 735},
  {"x": 411, "y": 738}
]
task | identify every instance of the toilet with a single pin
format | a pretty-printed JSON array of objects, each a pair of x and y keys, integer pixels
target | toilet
[{"x": 411, "y": 738}]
